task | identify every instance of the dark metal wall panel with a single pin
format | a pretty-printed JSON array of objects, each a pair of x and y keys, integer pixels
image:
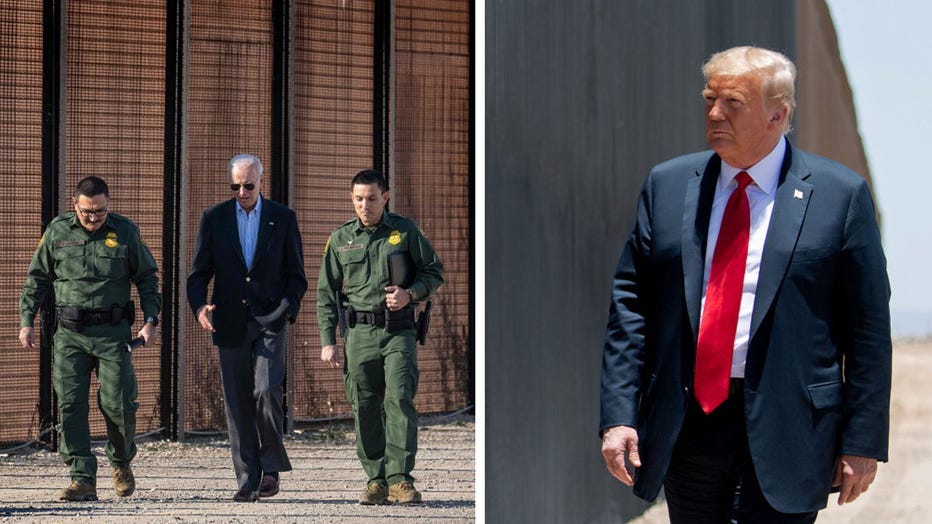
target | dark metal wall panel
[
  {"x": 582, "y": 98},
  {"x": 825, "y": 121}
]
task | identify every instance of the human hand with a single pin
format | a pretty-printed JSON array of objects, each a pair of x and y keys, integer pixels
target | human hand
[
  {"x": 26, "y": 335},
  {"x": 619, "y": 443},
  {"x": 203, "y": 317},
  {"x": 854, "y": 475},
  {"x": 330, "y": 355},
  {"x": 396, "y": 297},
  {"x": 149, "y": 333}
]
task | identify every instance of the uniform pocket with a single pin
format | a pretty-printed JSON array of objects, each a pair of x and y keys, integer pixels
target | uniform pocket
[
  {"x": 70, "y": 262},
  {"x": 111, "y": 263},
  {"x": 355, "y": 266}
]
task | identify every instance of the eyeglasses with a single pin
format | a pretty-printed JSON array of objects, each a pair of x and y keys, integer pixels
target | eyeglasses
[
  {"x": 249, "y": 186},
  {"x": 96, "y": 212}
]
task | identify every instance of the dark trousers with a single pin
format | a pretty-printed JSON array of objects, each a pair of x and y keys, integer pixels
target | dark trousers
[
  {"x": 253, "y": 374},
  {"x": 711, "y": 477}
]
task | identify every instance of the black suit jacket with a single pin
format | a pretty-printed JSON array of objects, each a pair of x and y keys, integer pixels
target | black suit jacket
[
  {"x": 817, "y": 376},
  {"x": 270, "y": 291}
]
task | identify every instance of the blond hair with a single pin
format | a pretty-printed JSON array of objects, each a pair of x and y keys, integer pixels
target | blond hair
[{"x": 777, "y": 72}]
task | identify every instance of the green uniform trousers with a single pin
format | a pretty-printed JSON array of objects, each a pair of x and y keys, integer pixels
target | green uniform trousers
[
  {"x": 381, "y": 378},
  {"x": 98, "y": 349}
]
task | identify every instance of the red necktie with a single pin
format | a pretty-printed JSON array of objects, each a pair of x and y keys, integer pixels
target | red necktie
[{"x": 722, "y": 300}]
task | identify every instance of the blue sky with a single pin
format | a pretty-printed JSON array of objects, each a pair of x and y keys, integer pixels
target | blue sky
[{"x": 887, "y": 51}]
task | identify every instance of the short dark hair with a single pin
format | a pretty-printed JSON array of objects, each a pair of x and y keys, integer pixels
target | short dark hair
[
  {"x": 370, "y": 176},
  {"x": 91, "y": 186}
]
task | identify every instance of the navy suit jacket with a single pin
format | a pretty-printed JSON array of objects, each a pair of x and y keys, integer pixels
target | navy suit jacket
[
  {"x": 817, "y": 376},
  {"x": 270, "y": 291}
]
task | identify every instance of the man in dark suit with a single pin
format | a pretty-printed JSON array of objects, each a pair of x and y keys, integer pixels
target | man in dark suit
[
  {"x": 252, "y": 249},
  {"x": 747, "y": 357}
]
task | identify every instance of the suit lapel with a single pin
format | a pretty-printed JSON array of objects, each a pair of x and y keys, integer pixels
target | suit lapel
[
  {"x": 789, "y": 211},
  {"x": 697, "y": 207}
]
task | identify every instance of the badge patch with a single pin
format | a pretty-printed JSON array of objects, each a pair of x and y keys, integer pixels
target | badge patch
[
  {"x": 111, "y": 242},
  {"x": 395, "y": 238}
]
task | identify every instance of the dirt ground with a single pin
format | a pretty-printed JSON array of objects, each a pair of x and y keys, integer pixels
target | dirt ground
[
  {"x": 193, "y": 482},
  {"x": 899, "y": 494}
]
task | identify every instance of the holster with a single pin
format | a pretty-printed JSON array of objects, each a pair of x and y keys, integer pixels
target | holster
[
  {"x": 349, "y": 316},
  {"x": 423, "y": 323},
  {"x": 71, "y": 317},
  {"x": 399, "y": 320},
  {"x": 119, "y": 313},
  {"x": 342, "y": 319}
]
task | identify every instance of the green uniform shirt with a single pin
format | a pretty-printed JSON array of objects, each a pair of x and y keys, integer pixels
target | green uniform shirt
[
  {"x": 90, "y": 270},
  {"x": 356, "y": 261}
]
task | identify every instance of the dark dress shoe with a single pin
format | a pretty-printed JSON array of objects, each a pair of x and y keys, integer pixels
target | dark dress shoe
[
  {"x": 245, "y": 495},
  {"x": 269, "y": 486}
]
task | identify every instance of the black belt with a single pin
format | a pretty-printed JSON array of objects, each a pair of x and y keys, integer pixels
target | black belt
[
  {"x": 735, "y": 386},
  {"x": 371, "y": 318},
  {"x": 76, "y": 318}
]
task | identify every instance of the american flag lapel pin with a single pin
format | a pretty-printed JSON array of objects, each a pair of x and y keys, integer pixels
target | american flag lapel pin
[{"x": 797, "y": 194}]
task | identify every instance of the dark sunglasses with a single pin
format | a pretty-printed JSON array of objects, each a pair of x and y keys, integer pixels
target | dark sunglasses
[{"x": 249, "y": 187}]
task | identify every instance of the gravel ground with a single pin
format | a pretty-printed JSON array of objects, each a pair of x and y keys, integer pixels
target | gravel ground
[
  {"x": 193, "y": 482},
  {"x": 899, "y": 494}
]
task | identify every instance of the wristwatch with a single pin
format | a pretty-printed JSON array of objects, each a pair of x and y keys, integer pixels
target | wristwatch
[{"x": 153, "y": 321}]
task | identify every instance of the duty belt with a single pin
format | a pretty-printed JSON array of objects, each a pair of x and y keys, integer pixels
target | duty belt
[
  {"x": 371, "y": 318},
  {"x": 77, "y": 318}
]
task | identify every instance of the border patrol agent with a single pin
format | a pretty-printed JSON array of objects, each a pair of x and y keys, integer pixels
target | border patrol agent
[
  {"x": 89, "y": 257},
  {"x": 381, "y": 357}
]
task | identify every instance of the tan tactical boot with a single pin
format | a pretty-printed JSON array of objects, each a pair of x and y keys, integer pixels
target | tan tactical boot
[
  {"x": 79, "y": 490},
  {"x": 124, "y": 483},
  {"x": 404, "y": 493},
  {"x": 375, "y": 494}
]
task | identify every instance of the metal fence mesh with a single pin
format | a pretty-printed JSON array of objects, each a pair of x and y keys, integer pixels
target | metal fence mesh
[{"x": 114, "y": 127}]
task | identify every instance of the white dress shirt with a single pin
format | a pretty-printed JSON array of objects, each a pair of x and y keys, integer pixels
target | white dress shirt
[{"x": 761, "y": 194}]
